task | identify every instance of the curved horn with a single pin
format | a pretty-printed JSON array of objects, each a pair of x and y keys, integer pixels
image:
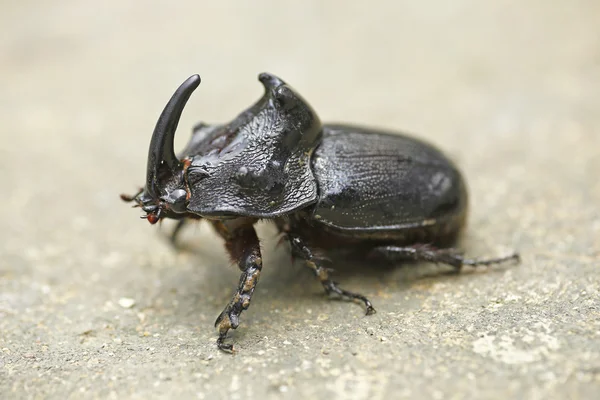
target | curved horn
[
  {"x": 270, "y": 81},
  {"x": 161, "y": 153}
]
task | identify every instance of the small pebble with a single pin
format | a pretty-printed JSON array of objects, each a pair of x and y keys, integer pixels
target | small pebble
[{"x": 126, "y": 302}]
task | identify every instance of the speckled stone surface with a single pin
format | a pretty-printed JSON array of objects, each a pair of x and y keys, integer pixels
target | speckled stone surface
[{"x": 95, "y": 304}]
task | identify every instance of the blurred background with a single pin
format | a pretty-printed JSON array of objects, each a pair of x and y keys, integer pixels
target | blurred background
[{"x": 509, "y": 89}]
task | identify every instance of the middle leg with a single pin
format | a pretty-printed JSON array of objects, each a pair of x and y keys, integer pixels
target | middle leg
[{"x": 301, "y": 250}]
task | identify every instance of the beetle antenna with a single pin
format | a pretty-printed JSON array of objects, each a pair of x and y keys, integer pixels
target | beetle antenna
[{"x": 129, "y": 198}]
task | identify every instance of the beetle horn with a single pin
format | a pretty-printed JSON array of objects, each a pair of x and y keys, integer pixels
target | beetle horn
[
  {"x": 162, "y": 153},
  {"x": 270, "y": 81}
]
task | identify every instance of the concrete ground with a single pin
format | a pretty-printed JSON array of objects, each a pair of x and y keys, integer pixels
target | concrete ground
[{"x": 95, "y": 304}]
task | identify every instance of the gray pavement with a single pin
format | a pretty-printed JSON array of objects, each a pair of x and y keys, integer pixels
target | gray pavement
[{"x": 95, "y": 304}]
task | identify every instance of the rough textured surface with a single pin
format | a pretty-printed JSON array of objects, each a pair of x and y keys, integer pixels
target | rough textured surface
[{"x": 94, "y": 303}]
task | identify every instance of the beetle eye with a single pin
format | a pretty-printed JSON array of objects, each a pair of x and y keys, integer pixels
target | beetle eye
[{"x": 176, "y": 200}]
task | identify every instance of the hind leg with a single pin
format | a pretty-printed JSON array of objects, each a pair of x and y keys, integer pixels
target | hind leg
[{"x": 448, "y": 256}]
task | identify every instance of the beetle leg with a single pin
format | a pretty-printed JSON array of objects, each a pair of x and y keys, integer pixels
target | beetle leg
[
  {"x": 449, "y": 256},
  {"x": 244, "y": 248},
  {"x": 300, "y": 250},
  {"x": 176, "y": 231},
  {"x": 181, "y": 223}
]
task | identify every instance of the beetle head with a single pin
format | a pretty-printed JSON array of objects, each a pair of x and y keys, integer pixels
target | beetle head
[{"x": 164, "y": 195}]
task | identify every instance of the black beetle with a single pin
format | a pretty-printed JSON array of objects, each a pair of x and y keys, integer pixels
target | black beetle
[{"x": 326, "y": 187}]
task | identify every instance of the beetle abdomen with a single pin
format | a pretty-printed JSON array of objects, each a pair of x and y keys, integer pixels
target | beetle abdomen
[{"x": 371, "y": 180}]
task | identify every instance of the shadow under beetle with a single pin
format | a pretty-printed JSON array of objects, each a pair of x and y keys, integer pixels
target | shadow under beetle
[{"x": 326, "y": 187}]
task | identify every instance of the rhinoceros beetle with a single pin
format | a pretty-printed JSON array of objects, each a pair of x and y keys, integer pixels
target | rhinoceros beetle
[{"x": 326, "y": 187}]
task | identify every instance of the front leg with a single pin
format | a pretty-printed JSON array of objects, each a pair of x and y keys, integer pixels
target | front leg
[
  {"x": 244, "y": 248},
  {"x": 176, "y": 231},
  {"x": 181, "y": 223}
]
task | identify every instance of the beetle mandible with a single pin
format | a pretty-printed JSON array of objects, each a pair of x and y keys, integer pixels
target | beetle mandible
[{"x": 326, "y": 187}]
